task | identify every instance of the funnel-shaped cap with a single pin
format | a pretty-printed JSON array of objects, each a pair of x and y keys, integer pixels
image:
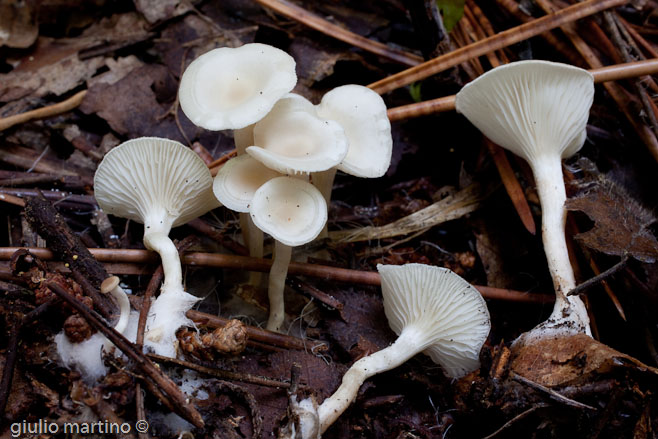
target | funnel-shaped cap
[
  {"x": 532, "y": 108},
  {"x": 448, "y": 313},
  {"x": 292, "y": 211},
  {"x": 150, "y": 177},
  {"x": 230, "y": 88},
  {"x": 362, "y": 114}
]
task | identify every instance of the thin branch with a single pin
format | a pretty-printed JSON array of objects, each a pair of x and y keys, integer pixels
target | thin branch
[
  {"x": 313, "y": 21},
  {"x": 498, "y": 41},
  {"x": 156, "y": 377},
  {"x": 614, "y": 72},
  {"x": 325, "y": 272},
  {"x": 42, "y": 113}
]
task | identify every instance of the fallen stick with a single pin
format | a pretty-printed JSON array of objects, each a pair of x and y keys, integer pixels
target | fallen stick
[
  {"x": 614, "y": 72},
  {"x": 313, "y": 21},
  {"x": 263, "y": 265}
]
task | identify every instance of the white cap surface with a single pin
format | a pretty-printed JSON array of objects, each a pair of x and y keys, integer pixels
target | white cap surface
[
  {"x": 230, "y": 88},
  {"x": 292, "y": 211},
  {"x": 362, "y": 114},
  {"x": 531, "y": 108},
  {"x": 450, "y": 314},
  {"x": 291, "y": 139},
  {"x": 237, "y": 181},
  {"x": 153, "y": 177}
]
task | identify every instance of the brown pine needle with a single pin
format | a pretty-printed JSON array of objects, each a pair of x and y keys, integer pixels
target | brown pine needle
[
  {"x": 263, "y": 265},
  {"x": 42, "y": 113},
  {"x": 313, "y": 21},
  {"x": 496, "y": 42}
]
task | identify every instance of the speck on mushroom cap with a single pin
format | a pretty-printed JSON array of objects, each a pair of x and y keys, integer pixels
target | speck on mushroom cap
[
  {"x": 237, "y": 181},
  {"x": 230, "y": 88},
  {"x": 362, "y": 114},
  {"x": 450, "y": 313},
  {"x": 531, "y": 107},
  {"x": 292, "y": 211},
  {"x": 291, "y": 139},
  {"x": 149, "y": 176}
]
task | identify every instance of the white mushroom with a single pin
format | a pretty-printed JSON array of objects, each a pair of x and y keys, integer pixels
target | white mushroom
[
  {"x": 291, "y": 139},
  {"x": 111, "y": 286},
  {"x": 293, "y": 212},
  {"x": 539, "y": 110},
  {"x": 231, "y": 88},
  {"x": 433, "y": 311},
  {"x": 362, "y": 114},
  {"x": 162, "y": 184}
]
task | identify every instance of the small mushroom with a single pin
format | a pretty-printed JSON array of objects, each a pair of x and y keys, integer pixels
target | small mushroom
[
  {"x": 291, "y": 139},
  {"x": 433, "y": 311},
  {"x": 111, "y": 286},
  {"x": 539, "y": 110},
  {"x": 87, "y": 356},
  {"x": 293, "y": 212},
  {"x": 231, "y": 88},
  {"x": 362, "y": 114},
  {"x": 162, "y": 184}
]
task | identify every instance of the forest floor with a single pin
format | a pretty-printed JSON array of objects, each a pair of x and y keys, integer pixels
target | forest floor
[{"x": 119, "y": 63}]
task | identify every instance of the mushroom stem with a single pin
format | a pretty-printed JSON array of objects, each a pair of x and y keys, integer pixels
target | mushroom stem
[
  {"x": 121, "y": 298},
  {"x": 277, "y": 282},
  {"x": 552, "y": 196},
  {"x": 253, "y": 237},
  {"x": 324, "y": 182},
  {"x": 157, "y": 239},
  {"x": 406, "y": 346}
]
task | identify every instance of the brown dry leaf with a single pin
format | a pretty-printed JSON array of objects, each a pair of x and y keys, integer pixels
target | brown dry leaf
[
  {"x": 18, "y": 26},
  {"x": 556, "y": 361},
  {"x": 621, "y": 223},
  {"x": 158, "y": 10},
  {"x": 52, "y": 67},
  {"x": 130, "y": 105}
]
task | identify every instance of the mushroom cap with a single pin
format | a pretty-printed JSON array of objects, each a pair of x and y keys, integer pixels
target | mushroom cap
[
  {"x": 362, "y": 114},
  {"x": 109, "y": 284},
  {"x": 291, "y": 139},
  {"x": 450, "y": 313},
  {"x": 531, "y": 108},
  {"x": 230, "y": 88},
  {"x": 150, "y": 177},
  {"x": 292, "y": 211},
  {"x": 237, "y": 181}
]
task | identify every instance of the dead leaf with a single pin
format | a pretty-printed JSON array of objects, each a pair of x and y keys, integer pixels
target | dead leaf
[
  {"x": 557, "y": 361},
  {"x": 621, "y": 223},
  {"x": 130, "y": 105},
  {"x": 159, "y": 10},
  {"x": 51, "y": 68},
  {"x": 18, "y": 26}
]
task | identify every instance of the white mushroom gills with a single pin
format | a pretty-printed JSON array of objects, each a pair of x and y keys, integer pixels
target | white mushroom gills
[
  {"x": 231, "y": 88},
  {"x": 293, "y": 212},
  {"x": 539, "y": 110},
  {"x": 162, "y": 184},
  {"x": 433, "y": 311}
]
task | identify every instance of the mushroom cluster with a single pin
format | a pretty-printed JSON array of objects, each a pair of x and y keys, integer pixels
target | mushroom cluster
[{"x": 288, "y": 149}]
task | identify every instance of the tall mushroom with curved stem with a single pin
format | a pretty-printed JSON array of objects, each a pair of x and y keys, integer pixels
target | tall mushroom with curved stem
[
  {"x": 233, "y": 88},
  {"x": 161, "y": 184},
  {"x": 433, "y": 311},
  {"x": 539, "y": 110}
]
